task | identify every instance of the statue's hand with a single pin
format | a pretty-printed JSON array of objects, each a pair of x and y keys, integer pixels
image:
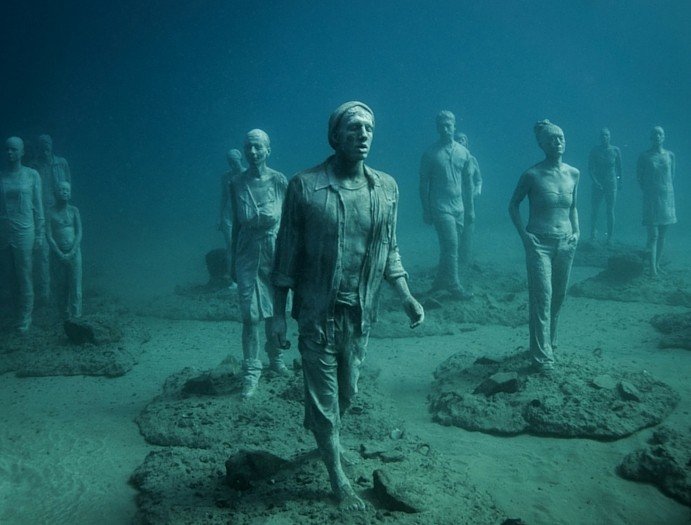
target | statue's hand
[
  {"x": 529, "y": 239},
  {"x": 278, "y": 331},
  {"x": 414, "y": 311}
]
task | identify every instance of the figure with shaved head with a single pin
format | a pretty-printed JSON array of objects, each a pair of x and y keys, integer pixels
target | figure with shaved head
[
  {"x": 53, "y": 170},
  {"x": 604, "y": 167},
  {"x": 655, "y": 172},
  {"x": 225, "y": 223},
  {"x": 443, "y": 168},
  {"x": 22, "y": 226},
  {"x": 256, "y": 197},
  {"x": 549, "y": 238},
  {"x": 336, "y": 245},
  {"x": 64, "y": 234}
]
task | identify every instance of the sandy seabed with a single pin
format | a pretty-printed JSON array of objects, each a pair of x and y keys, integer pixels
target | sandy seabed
[{"x": 69, "y": 445}]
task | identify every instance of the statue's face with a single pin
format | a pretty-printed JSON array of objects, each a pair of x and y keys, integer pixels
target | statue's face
[
  {"x": 554, "y": 143},
  {"x": 354, "y": 135},
  {"x": 63, "y": 192},
  {"x": 256, "y": 150},
  {"x": 463, "y": 140},
  {"x": 14, "y": 149},
  {"x": 605, "y": 137},
  {"x": 446, "y": 129},
  {"x": 45, "y": 149},
  {"x": 657, "y": 136}
]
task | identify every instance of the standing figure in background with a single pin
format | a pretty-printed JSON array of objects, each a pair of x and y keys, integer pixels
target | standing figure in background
[
  {"x": 472, "y": 189},
  {"x": 257, "y": 196},
  {"x": 655, "y": 174},
  {"x": 64, "y": 233},
  {"x": 53, "y": 171},
  {"x": 22, "y": 226},
  {"x": 225, "y": 223},
  {"x": 442, "y": 170},
  {"x": 604, "y": 167},
  {"x": 336, "y": 245},
  {"x": 550, "y": 238}
]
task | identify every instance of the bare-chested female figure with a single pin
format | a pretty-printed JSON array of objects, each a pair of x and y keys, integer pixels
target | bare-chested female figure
[
  {"x": 604, "y": 167},
  {"x": 549, "y": 238},
  {"x": 21, "y": 225},
  {"x": 257, "y": 196},
  {"x": 64, "y": 232},
  {"x": 655, "y": 173}
]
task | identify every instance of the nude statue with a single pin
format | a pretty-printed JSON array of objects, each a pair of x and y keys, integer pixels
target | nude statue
[
  {"x": 442, "y": 169},
  {"x": 256, "y": 197},
  {"x": 655, "y": 172},
  {"x": 549, "y": 238},
  {"x": 472, "y": 189},
  {"x": 53, "y": 170},
  {"x": 336, "y": 244},
  {"x": 64, "y": 233},
  {"x": 225, "y": 223},
  {"x": 604, "y": 167},
  {"x": 22, "y": 225}
]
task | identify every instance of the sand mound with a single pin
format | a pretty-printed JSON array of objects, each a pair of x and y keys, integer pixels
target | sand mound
[
  {"x": 665, "y": 462},
  {"x": 624, "y": 280},
  {"x": 498, "y": 298},
  {"x": 580, "y": 398},
  {"x": 47, "y": 351},
  {"x": 212, "y": 432},
  {"x": 676, "y": 330}
]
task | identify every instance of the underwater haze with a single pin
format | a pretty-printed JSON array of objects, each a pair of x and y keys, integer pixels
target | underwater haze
[{"x": 144, "y": 98}]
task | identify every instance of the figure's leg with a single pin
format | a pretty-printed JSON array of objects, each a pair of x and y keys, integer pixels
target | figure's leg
[
  {"x": 6, "y": 281},
  {"x": 23, "y": 264},
  {"x": 322, "y": 415},
  {"x": 275, "y": 353},
  {"x": 447, "y": 270},
  {"x": 662, "y": 233},
  {"x": 74, "y": 301},
  {"x": 595, "y": 201},
  {"x": 251, "y": 365},
  {"x": 539, "y": 265},
  {"x": 42, "y": 258},
  {"x": 651, "y": 248},
  {"x": 561, "y": 270},
  {"x": 466, "y": 255},
  {"x": 611, "y": 200}
]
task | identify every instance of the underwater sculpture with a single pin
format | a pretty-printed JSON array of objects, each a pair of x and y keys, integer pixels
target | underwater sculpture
[
  {"x": 256, "y": 197},
  {"x": 549, "y": 238},
  {"x": 655, "y": 172},
  {"x": 225, "y": 221},
  {"x": 336, "y": 244},
  {"x": 442, "y": 170},
  {"x": 22, "y": 226},
  {"x": 604, "y": 167},
  {"x": 472, "y": 189},
  {"x": 53, "y": 170},
  {"x": 64, "y": 233}
]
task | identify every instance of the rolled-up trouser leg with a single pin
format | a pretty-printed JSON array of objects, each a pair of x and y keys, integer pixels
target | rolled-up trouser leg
[
  {"x": 449, "y": 230},
  {"x": 331, "y": 372}
]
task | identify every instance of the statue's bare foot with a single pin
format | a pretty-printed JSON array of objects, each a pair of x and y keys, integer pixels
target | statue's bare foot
[{"x": 348, "y": 500}]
